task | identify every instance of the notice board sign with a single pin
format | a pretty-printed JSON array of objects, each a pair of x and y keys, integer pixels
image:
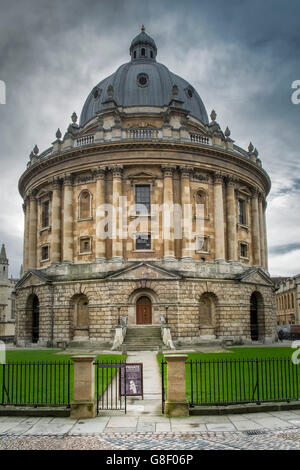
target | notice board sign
[{"x": 134, "y": 380}]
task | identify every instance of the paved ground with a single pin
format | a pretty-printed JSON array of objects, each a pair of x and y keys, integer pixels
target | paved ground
[{"x": 276, "y": 430}]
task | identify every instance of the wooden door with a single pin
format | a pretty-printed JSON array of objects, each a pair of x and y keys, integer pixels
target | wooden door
[{"x": 143, "y": 311}]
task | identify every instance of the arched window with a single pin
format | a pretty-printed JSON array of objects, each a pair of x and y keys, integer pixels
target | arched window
[{"x": 85, "y": 205}]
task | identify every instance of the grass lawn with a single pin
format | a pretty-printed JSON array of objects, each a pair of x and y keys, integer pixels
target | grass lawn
[
  {"x": 241, "y": 375},
  {"x": 48, "y": 383}
]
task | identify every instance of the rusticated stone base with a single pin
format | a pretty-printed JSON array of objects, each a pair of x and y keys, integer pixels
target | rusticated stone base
[
  {"x": 177, "y": 408},
  {"x": 83, "y": 410}
]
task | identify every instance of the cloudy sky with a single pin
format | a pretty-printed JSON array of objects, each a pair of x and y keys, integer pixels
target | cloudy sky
[{"x": 241, "y": 55}]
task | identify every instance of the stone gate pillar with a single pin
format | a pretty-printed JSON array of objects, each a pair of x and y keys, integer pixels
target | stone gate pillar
[
  {"x": 176, "y": 403},
  {"x": 83, "y": 405}
]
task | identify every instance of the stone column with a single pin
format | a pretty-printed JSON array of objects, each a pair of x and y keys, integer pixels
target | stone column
[
  {"x": 55, "y": 251},
  {"x": 83, "y": 405},
  {"x": 219, "y": 217},
  {"x": 168, "y": 214},
  {"x": 265, "y": 235},
  {"x": 231, "y": 219},
  {"x": 68, "y": 220},
  {"x": 187, "y": 221},
  {"x": 32, "y": 244},
  {"x": 26, "y": 208},
  {"x": 100, "y": 214},
  {"x": 176, "y": 403},
  {"x": 255, "y": 229},
  {"x": 117, "y": 242},
  {"x": 262, "y": 234}
]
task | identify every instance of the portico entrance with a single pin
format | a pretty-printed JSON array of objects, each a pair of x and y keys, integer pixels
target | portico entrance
[{"x": 143, "y": 311}]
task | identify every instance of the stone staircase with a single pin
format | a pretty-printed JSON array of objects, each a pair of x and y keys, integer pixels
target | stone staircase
[{"x": 143, "y": 338}]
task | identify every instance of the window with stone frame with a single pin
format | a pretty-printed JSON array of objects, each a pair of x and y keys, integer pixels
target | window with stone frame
[
  {"x": 45, "y": 214},
  {"x": 143, "y": 241},
  {"x": 85, "y": 201},
  {"x": 45, "y": 253},
  {"x": 242, "y": 214},
  {"x": 85, "y": 245},
  {"x": 142, "y": 198},
  {"x": 243, "y": 250}
]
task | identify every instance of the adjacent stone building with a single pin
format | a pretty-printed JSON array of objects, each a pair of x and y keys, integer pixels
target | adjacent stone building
[
  {"x": 7, "y": 300},
  {"x": 144, "y": 138},
  {"x": 288, "y": 301}
]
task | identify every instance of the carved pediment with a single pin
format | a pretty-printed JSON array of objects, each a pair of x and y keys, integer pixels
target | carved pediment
[
  {"x": 31, "y": 279},
  {"x": 144, "y": 271},
  {"x": 256, "y": 276}
]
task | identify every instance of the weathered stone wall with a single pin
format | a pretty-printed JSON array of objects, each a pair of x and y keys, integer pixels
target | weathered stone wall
[{"x": 231, "y": 299}]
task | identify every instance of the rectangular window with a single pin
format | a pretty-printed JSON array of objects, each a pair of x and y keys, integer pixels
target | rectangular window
[
  {"x": 85, "y": 245},
  {"x": 142, "y": 198},
  {"x": 45, "y": 214},
  {"x": 45, "y": 252},
  {"x": 12, "y": 316},
  {"x": 143, "y": 241},
  {"x": 242, "y": 211},
  {"x": 244, "y": 250}
]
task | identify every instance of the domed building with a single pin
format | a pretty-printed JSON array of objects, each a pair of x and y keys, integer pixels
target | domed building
[{"x": 144, "y": 213}]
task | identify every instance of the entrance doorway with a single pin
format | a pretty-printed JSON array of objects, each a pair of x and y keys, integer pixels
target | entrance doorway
[
  {"x": 254, "y": 317},
  {"x": 143, "y": 311},
  {"x": 35, "y": 319}
]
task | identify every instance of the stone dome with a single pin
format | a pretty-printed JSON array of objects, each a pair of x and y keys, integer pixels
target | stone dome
[{"x": 143, "y": 82}]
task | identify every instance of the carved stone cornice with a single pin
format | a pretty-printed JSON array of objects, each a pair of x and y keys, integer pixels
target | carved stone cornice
[{"x": 68, "y": 156}]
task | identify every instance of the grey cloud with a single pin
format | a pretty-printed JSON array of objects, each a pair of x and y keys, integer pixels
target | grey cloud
[
  {"x": 241, "y": 56},
  {"x": 283, "y": 249}
]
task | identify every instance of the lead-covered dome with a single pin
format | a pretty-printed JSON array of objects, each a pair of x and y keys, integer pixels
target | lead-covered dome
[{"x": 143, "y": 82}]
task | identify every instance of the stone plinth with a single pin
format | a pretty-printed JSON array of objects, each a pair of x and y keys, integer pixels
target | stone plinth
[
  {"x": 176, "y": 403},
  {"x": 83, "y": 405}
]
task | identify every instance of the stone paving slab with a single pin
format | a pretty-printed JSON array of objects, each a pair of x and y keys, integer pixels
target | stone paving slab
[
  {"x": 49, "y": 429},
  {"x": 220, "y": 427}
]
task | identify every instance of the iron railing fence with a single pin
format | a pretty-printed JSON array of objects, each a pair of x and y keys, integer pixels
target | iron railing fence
[
  {"x": 36, "y": 383},
  {"x": 109, "y": 394},
  {"x": 224, "y": 382}
]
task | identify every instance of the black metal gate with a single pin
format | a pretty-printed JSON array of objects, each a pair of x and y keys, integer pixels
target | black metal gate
[{"x": 108, "y": 386}]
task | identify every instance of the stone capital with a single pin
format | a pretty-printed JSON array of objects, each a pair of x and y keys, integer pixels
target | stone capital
[
  {"x": 68, "y": 179},
  {"x": 56, "y": 183},
  {"x": 186, "y": 171},
  {"x": 218, "y": 177},
  {"x": 231, "y": 180},
  {"x": 168, "y": 170},
  {"x": 255, "y": 193},
  {"x": 99, "y": 173},
  {"x": 117, "y": 171}
]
